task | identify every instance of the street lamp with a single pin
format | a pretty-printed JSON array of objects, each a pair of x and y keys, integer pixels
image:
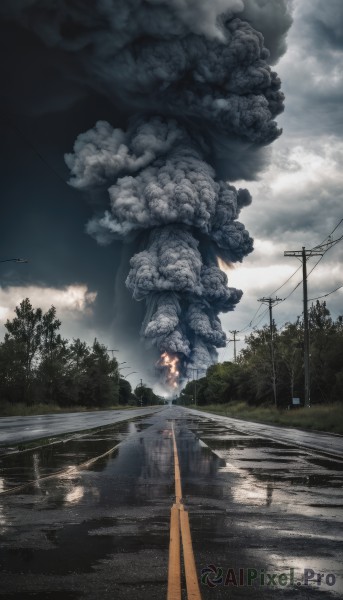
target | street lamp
[
  {"x": 18, "y": 260},
  {"x": 129, "y": 374}
]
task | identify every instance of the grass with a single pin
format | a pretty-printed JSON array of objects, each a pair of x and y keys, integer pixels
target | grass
[
  {"x": 22, "y": 410},
  {"x": 327, "y": 418}
]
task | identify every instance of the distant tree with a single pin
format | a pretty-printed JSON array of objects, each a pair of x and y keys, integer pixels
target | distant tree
[
  {"x": 100, "y": 383},
  {"x": 290, "y": 363},
  {"x": 38, "y": 365},
  {"x": 125, "y": 392},
  {"x": 12, "y": 372},
  {"x": 325, "y": 353},
  {"x": 23, "y": 342},
  {"x": 76, "y": 375},
  {"x": 54, "y": 353},
  {"x": 255, "y": 360},
  {"x": 250, "y": 378},
  {"x": 145, "y": 396}
]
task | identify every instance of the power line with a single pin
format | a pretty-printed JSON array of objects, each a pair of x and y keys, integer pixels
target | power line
[
  {"x": 235, "y": 339},
  {"x": 325, "y": 295},
  {"x": 287, "y": 280},
  {"x": 270, "y": 302},
  {"x": 304, "y": 255},
  {"x": 327, "y": 243},
  {"x": 308, "y": 274},
  {"x": 330, "y": 234}
]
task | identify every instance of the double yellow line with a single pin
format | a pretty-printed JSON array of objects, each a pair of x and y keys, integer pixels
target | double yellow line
[{"x": 179, "y": 522}]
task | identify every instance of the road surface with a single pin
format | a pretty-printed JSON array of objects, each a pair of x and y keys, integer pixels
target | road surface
[
  {"x": 27, "y": 429},
  {"x": 262, "y": 512},
  {"x": 327, "y": 443}
]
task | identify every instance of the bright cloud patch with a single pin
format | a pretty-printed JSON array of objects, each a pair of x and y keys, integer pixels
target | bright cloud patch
[{"x": 73, "y": 300}]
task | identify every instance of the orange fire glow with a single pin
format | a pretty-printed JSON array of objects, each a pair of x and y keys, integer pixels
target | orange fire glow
[
  {"x": 223, "y": 265},
  {"x": 170, "y": 364}
]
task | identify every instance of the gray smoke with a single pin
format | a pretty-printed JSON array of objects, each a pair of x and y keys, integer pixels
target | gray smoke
[
  {"x": 209, "y": 84},
  {"x": 194, "y": 79}
]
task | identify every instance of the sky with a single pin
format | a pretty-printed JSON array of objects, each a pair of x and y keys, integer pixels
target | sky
[{"x": 297, "y": 195}]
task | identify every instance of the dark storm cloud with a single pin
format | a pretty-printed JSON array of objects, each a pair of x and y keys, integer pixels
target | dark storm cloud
[
  {"x": 325, "y": 24},
  {"x": 312, "y": 70}
]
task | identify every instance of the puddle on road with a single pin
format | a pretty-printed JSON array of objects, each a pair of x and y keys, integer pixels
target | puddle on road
[
  {"x": 273, "y": 475},
  {"x": 45, "y": 595},
  {"x": 79, "y": 547},
  {"x": 237, "y": 442},
  {"x": 237, "y": 509},
  {"x": 33, "y": 464}
]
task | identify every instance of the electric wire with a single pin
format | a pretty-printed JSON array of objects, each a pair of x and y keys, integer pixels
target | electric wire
[
  {"x": 329, "y": 236},
  {"x": 326, "y": 295},
  {"x": 333, "y": 243}
]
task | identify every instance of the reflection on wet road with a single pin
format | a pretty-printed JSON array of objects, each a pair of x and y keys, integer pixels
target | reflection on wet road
[
  {"x": 103, "y": 531},
  {"x": 25, "y": 429}
]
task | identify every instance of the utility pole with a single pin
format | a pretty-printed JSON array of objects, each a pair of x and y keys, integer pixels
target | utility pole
[
  {"x": 195, "y": 382},
  {"x": 303, "y": 255},
  {"x": 234, "y": 333},
  {"x": 270, "y": 302},
  {"x": 141, "y": 397}
]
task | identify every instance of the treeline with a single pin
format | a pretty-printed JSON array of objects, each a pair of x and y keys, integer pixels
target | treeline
[
  {"x": 250, "y": 379},
  {"x": 39, "y": 366}
]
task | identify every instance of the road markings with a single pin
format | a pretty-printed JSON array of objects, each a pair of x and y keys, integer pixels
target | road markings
[
  {"x": 178, "y": 488},
  {"x": 174, "y": 569},
  {"x": 179, "y": 520}
]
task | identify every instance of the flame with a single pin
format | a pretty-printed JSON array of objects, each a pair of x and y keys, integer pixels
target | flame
[
  {"x": 223, "y": 265},
  {"x": 170, "y": 364}
]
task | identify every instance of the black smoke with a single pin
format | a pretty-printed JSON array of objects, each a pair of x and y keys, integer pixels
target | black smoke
[{"x": 198, "y": 98}]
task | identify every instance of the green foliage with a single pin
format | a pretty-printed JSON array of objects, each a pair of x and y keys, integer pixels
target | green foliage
[
  {"x": 145, "y": 396},
  {"x": 125, "y": 392},
  {"x": 321, "y": 417},
  {"x": 38, "y": 366},
  {"x": 250, "y": 379}
]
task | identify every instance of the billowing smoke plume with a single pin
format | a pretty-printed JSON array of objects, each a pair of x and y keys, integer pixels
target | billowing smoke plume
[
  {"x": 194, "y": 79},
  {"x": 162, "y": 184}
]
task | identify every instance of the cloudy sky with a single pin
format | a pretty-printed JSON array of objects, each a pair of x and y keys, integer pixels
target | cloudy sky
[{"x": 297, "y": 198}]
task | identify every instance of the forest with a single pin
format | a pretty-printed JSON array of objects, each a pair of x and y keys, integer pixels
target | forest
[
  {"x": 250, "y": 378},
  {"x": 39, "y": 366}
]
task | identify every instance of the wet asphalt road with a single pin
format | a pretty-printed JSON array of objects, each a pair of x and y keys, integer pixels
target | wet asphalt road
[
  {"x": 26, "y": 429},
  {"x": 102, "y": 531}
]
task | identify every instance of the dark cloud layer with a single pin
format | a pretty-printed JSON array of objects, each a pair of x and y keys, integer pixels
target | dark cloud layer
[{"x": 312, "y": 70}]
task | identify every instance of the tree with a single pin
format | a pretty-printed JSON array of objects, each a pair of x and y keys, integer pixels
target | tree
[
  {"x": 290, "y": 362},
  {"x": 145, "y": 396},
  {"x": 23, "y": 342},
  {"x": 255, "y": 360},
  {"x": 37, "y": 364},
  {"x": 100, "y": 381},
  {"x": 51, "y": 371},
  {"x": 125, "y": 392},
  {"x": 324, "y": 345}
]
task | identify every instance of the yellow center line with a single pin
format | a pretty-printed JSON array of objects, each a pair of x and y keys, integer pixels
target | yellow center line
[
  {"x": 178, "y": 488},
  {"x": 174, "y": 568},
  {"x": 179, "y": 519}
]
